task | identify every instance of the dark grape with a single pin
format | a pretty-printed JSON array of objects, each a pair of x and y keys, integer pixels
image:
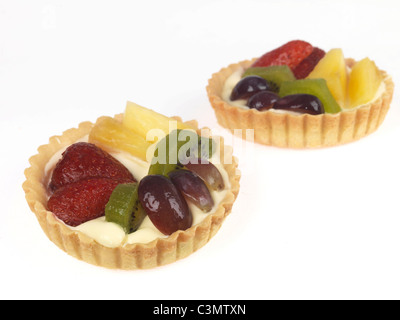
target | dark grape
[
  {"x": 208, "y": 172},
  {"x": 262, "y": 100},
  {"x": 193, "y": 188},
  {"x": 303, "y": 103},
  {"x": 248, "y": 86},
  {"x": 164, "y": 204}
]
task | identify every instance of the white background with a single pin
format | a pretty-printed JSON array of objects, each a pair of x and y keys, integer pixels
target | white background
[{"x": 308, "y": 224}]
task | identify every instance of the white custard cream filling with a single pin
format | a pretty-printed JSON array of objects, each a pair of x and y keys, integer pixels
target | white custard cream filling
[
  {"x": 235, "y": 77},
  {"x": 111, "y": 234}
]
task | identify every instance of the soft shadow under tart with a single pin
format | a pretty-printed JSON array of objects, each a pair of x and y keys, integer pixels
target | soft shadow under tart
[
  {"x": 298, "y": 131},
  {"x": 159, "y": 252}
]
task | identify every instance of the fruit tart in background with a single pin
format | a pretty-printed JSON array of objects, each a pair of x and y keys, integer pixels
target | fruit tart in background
[
  {"x": 134, "y": 191},
  {"x": 299, "y": 96}
]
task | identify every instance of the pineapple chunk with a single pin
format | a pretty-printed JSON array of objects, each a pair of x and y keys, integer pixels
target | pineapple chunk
[
  {"x": 332, "y": 68},
  {"x": 111, "y": 134},
  {"x": 141, "y": 120},
  {"x": 364, "y": 81}
]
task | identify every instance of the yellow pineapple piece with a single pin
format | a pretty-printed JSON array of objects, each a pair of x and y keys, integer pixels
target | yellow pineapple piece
[
  {"x": 332, "y": 68},
  {"x": 111, "y": 134},
  {"x": 364, "y": 82},
  {"x": 141, "y": 120}
]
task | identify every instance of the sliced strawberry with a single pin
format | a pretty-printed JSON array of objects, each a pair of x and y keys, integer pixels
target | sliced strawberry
[
  {"x": 290, "y": 54},
  {"x": 81, "y": 201},
  {"x": 85, "y": 160},
  {"x": 304, "y": 68}
]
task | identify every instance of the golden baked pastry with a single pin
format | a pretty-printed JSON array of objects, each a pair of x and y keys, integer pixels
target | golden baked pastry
[
  {"x": 291, "y": 130},
  {"x": 82, "y": 245}
]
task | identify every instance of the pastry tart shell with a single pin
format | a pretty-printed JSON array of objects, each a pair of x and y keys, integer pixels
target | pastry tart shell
[
  {"x": 159, "y": 252},
  {"x": 299, "y": 131}
]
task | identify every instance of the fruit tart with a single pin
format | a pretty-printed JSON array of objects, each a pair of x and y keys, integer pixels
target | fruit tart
[
  {"x": 134, "y": 191},
  {"x": 299, "y": 96}
]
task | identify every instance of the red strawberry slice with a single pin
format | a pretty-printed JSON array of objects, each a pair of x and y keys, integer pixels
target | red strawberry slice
[
  {"x": 291, "y": 54},
  {"x": 85, "y": 160},
  {"x": 81, "y": 201},
  {"x": 304, "y": 68}
]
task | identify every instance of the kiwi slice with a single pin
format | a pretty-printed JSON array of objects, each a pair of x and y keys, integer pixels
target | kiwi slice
[
  {"x": 316, "y": 87},
  {"x": 274, "y": 74},
  {"x": 124, "y": 207},
  {"x": 177, "y": 147}
]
